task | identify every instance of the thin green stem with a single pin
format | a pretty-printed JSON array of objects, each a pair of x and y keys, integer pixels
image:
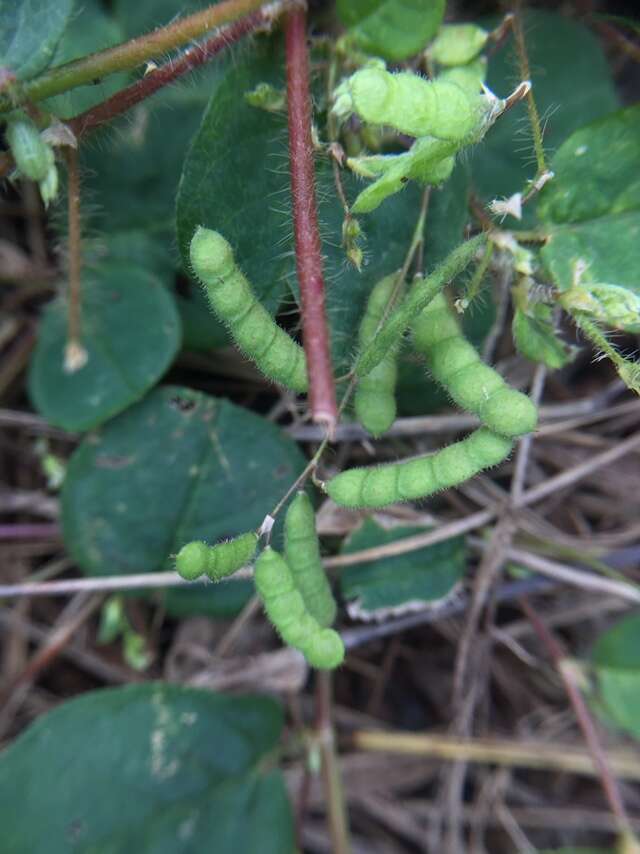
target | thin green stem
[
  {"x": 131, "y": 54},
  {"x": 525, "y": 74}
]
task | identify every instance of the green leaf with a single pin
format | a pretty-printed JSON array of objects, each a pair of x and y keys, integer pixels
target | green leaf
[
  {"x": 596, "y": 171},
  {"x": 179, "y": 466},
  {"x": 90, "y": 29},
  {"x": 616, "y": 659},
  {"x": 233, "y": 174},
  {"x": 139, "y": 18},
  {"x": 536, "y": 337},
  {"x": 393, "y": 29},
  {"x": 29, "y": 33},
  {"x": 572, "y": 84},
  {"x": 131, "y": 332},
  {"x": 155, "y": 769},
  {"x": 421, "y": 576}
]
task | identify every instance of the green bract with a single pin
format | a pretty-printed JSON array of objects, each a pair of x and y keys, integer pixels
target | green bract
[
  {"x": 286, "y": 608},
  {"x": 302, "y": 554},
  {"x": 458, "y": 44},
  {"x": 197, "y": 558},
  {"x": 474, "y": 386},
  {"x": 253, "y": 329},
  {"x": 375, "y": 399},
  {"x": 378, "y": 486}
]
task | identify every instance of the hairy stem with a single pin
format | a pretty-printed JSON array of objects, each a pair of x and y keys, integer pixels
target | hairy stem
[
  {"x": 130, "y": 54},
  {"x": 315, "y": 333},
  {"x": 169, "y": 72},
  {"x": 337, "y": 814},
  {"x": 75, "y": 355},
  {"x": 525, "y": 74}
]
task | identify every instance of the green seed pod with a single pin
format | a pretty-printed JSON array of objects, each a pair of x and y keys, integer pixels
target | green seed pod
[
  {"x": 456, "y": 365},
  {"x": 197, "y": 558},
  {"x": 302, "y": 554},
  {"x": 378, "y": 486},
  {"x": 413, "y": 105},
  {"x": 253, "y": 329},
  {"x": 457, "y": 44},
  {"x": 420, "y": 295},
  {"x": 285, "y": 607},
  {"x": 375, "y": 399},
  {"x": 469, "y": 77},
  {"x": 32, "y": 155}
]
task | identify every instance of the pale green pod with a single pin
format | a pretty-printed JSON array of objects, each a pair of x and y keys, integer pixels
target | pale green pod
[
  {"x": 413, "y": 105},
  {"x": 469, "y": 77},
  {"x": 32, "y": 155},
  {"x": 197, "y": 558},
  {"x": 253, "y": 329},
  {"x": 456, "y": 365},
  {"x": 420, "y": 295},
  {"x": 457, "y": 44},
  {"x": 375, "y": 397},
  {"x": 379, "y": 486},
  {"x": 286, "y": 608},
  {"x": 302, "y": 553}
]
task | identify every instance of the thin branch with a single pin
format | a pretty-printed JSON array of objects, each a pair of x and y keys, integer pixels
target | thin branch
[
  {"x": 75, "y": 355},
  {"x": 168, "y": 73},
  {"x": 336, "y": 807},
  {"x": 585, "y": 722},
  {"x": 525, "y": 74},
  {"x": 315, "y": 333},
  {"x": 131, "y": 54}
]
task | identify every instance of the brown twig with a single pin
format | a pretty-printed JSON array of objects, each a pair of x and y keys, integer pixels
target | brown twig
[
  {"x": 75, "y": 355},
  {"x": 585, "y": 722},
  {"x": 315, "y": 333}
]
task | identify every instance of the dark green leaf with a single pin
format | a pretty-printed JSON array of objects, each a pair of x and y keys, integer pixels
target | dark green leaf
[
  {"x": 179, "y": 466},
  {"x": 90, "y": 29},
  {"x": 616, "y": 659},
  {"x": 596, "y": 171},
  {"x": 393, "y": 29},
  {"x": 155, "y": 769},
  {"x": 572, "y": 85},
  {"x": 131, "y": 332},
  {"x": 145, "y": 16},
  {"x": 424, "y": 575},
  {"x": 29, "y": 33}
]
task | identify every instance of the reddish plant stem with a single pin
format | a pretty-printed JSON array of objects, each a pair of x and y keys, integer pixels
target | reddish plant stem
[
  {"x": 75, "y": 356},
  {"x": 557, "y": 655},
  {"x": 30, "y": 531},
  {"x": 315, "y": 335},
  {"x": 166, "y": 74}
]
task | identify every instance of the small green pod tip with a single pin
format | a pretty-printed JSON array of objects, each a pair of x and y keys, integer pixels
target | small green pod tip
[
  {"x": 326, "y": 652},
  {"x": 191, "y": 560},
  {"x": 211, "y": 255},
  {"x": 375, "y": 411},
  {"x": 510, "y": 413}
]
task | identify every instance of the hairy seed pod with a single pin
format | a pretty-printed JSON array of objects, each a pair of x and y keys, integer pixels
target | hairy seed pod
[
  {"x": 457, "y": 44},
  {"x": 197, "y": 558},
  {"x": 375, "y": 398},
  {"x": 456, "y": 365},
  {"x": 413, "y": 105},
  {"x": 420, "y": 295},
  {"x": 285, "y": 607},
  {"x": 253, "y": 329},
  {"x": 32, "y": 155},
  {"x": 302, "y": 554},
  {"x": 378, "y": 486}
]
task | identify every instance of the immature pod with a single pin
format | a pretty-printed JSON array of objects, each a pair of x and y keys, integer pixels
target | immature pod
[
  {"x": 420, "y": 295},
  {"x": 302, "y": 554},
  {"x": 456, "y": 365},
  {"x": 378, "y": 486},
  {"x": 411, "y": 104},
  {"x": 375, "y": 398},
  {"x": 253, "y": 329},
  {"x": 457, "y": 44},
  {"x": 32, "y": 155},
  {"x": 285, "y": 607},
  {"x": 197, "y": 558}
]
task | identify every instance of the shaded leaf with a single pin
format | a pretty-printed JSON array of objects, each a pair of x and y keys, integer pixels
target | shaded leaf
[
  {"x": 536, "y": 337},
  {"x": 29, "y": 33},
  {"x": 421, "y": 576},
  {"x": 131, "y": 332},
  {"x": 154, "y": 768},
  {"x": 393, "y": 29},
  {"x": 179, "y": 466},
  {"x": 616, "y": 659}
]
